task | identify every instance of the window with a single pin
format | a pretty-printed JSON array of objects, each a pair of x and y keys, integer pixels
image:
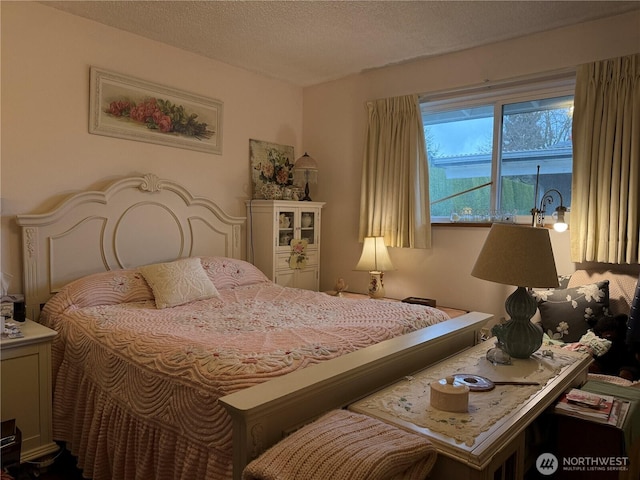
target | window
[{"x": 484, "y": 148}]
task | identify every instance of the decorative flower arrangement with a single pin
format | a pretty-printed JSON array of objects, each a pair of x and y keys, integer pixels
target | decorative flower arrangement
[
  {"x": 277, "y": 168},
  {"x": 161, "y": 115},
  {"x": 298, "y": 258}
]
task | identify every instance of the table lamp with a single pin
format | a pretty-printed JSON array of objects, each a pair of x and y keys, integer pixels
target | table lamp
[
  {"x": 521, "y": 256},
  {"x": 375, "y": 259},
  {"x": 305, "y": 170}
]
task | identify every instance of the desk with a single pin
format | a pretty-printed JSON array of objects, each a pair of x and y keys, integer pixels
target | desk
[{"x": 490, "y": 437}]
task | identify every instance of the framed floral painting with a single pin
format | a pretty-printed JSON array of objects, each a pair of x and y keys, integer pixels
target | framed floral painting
[
  {"x": 271, "y": 168},
  {"x": 126, "y": 107}
]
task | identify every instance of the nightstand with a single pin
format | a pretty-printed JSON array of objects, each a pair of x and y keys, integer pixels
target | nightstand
[
  {"x": 574, "y": 438},
  {"x": 452, "y": 312},
  {"x": 25, "y": 378}
]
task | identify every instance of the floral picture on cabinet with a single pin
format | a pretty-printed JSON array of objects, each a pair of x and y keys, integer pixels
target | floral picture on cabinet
[
  {"x": 271, "y": 168},
  {"x": 298, "y": 257}
]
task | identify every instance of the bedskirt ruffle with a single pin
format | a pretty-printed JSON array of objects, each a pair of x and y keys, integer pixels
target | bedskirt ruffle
[{"x": 111, "y": 442}]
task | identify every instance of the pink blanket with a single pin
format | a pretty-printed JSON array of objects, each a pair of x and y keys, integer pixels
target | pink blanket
[
  {"x": 343, "y": 445},
  {"x": 136, "y": 388}
]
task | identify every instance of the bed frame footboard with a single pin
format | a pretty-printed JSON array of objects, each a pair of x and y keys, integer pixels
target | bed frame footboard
[{"x": 264, "y": 414}]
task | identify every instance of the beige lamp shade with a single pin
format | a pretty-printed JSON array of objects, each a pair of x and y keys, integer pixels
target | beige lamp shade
[
  {"x": 305, "y": 170},
  {"x": 517, "y": 255},
  {"x": 375, "y": 257}
]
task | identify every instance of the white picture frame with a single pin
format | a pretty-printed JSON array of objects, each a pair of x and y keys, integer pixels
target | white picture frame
[{"x": 130, "y": 108}]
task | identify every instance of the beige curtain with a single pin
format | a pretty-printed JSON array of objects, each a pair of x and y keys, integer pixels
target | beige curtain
[
  {"x": 394, "y": 201},
  {"x": 605, "y": 204}
]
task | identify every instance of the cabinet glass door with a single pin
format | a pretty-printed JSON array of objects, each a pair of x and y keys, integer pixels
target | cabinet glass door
[
  {"x": 286, "y": 225},
  {"x": 308, "y": 226}
]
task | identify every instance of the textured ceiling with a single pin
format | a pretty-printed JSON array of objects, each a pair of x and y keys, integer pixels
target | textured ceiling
[{"x": 310, "y": 42}]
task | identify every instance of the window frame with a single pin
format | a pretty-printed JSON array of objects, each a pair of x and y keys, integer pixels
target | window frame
[{"x": 499, "y": 94}]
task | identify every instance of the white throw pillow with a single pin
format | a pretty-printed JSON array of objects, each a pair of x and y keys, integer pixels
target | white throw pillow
[{"x": 179, "y": 282}]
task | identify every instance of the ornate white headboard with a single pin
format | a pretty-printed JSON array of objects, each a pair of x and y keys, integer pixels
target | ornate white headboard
[{"x": 134, "y": 221}]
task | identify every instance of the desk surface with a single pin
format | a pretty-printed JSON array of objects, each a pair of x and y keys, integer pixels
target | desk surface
[{"x": 495, "y": 418}]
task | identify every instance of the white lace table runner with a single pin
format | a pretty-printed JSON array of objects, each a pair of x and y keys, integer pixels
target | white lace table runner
[{"x": 409, "y": 399}]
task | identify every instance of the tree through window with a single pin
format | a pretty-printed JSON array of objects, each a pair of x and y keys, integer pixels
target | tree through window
[{"x": 491, "y": 147}]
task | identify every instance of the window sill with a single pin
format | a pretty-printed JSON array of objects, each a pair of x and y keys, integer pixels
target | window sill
[
  {"x": 481, "y": 224},
  {"x": 462, "y": 224}
]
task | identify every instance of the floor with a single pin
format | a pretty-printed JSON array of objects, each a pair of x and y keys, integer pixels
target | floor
[{"x": 63, "y": 468}]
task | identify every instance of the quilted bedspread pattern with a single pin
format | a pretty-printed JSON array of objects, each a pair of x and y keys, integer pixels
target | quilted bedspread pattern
[{"x": 136, "y": 388}]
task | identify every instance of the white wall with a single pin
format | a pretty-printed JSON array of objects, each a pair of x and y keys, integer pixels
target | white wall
[
  {"x": 47, "y": 150},
  {"x": 334, "y": 131}
]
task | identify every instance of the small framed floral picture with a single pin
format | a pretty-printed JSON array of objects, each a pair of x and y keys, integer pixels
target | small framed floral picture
[
  {"x": 271, "y": 169},
  {"x": 126, "y": 107},
  {"x": 298, "y": 257}
]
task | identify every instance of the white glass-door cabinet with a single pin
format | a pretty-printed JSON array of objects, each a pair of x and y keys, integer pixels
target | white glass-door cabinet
[{"x": 274, "y": 229}]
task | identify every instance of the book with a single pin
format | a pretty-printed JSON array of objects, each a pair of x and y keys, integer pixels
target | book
[
  {"x": 619, "y": 412},
  {"x": 428, "y": 302},
  {"x": 585, "y": 404},
  {"x": 585, "y": 399},
  {"x": 604, "y": 409}
]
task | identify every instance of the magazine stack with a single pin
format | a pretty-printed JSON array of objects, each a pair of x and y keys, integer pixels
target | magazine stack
[{"x": 605, "y": 409}]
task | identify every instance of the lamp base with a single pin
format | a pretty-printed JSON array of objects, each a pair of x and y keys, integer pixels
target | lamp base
[
  {"x": 519, "y": 336},
  {"x": 306, "y": 197},
  {"x": 376, "y": 288}
]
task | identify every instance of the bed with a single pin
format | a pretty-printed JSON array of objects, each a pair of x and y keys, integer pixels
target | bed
[{"x": 176, "y": 358}]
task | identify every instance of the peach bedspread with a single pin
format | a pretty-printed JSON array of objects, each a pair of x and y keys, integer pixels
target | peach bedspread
[{"x": 136, "y": 388}]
